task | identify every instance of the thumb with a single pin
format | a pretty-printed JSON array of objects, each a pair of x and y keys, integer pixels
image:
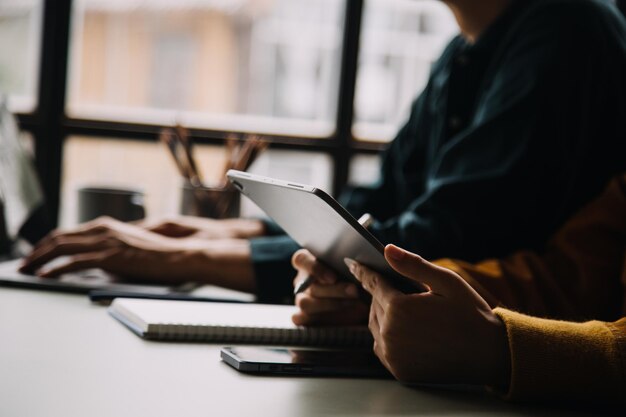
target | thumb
[{"x": 440, "y": 280}]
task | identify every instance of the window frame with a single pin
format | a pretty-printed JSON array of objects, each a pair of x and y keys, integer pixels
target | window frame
[{"x": 50, "y": 126}]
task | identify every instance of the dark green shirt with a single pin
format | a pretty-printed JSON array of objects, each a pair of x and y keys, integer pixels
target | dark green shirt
[{"x": 509, "y": 138}]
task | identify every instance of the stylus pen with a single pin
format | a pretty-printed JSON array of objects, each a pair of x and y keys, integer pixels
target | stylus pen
[{"x": 365, "y": 221}]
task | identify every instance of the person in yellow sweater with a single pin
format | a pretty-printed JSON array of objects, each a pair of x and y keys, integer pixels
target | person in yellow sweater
[{"x": 534, "y": 327}]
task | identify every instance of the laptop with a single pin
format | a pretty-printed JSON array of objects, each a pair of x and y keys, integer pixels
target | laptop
[
  {"x": 12, "y": 248},
  {"x": 23, "y": 221}
]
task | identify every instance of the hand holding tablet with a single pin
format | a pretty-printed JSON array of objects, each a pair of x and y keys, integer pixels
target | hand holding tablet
[{"x": 365, "y": 221}]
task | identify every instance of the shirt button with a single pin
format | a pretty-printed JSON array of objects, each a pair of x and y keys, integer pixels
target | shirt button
[{"x": 454, "y": 123}]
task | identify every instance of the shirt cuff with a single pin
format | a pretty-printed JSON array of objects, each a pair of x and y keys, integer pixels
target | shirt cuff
[
  {"x": 271, "y": 260},
  {"x": 561, "y": 361},
  {"x": 271, "y": 228}
]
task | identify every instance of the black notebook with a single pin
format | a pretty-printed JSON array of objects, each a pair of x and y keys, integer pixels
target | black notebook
[{"x": 229, "y": 323}]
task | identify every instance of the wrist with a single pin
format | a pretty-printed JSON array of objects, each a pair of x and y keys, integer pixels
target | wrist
[
  {"x": 225, "y": 263},
  {"x": 245, "y": 228},
  {"x": 188, "y": 261},
  {"x": 500, "y": 357}
]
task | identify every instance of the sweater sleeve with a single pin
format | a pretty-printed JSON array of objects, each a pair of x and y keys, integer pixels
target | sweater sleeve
[
  {"x": 562, "y": 361},
  {"x": 577, "y": 275}
]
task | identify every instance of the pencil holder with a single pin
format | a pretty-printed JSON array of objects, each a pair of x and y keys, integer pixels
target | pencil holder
[{"x": 216, "y": 203}]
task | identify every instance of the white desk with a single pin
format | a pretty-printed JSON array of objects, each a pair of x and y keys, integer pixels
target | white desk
[{"x": 62, "y": 356}]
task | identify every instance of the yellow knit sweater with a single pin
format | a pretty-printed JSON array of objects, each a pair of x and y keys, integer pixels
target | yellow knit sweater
[{"x": 576, "y": 351}]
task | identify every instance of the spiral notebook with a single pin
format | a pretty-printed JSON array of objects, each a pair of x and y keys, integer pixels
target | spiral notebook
[{"x": 229, "y": 323}]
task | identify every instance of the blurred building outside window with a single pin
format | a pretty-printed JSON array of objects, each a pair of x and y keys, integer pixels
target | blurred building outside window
[
  {"x": 267, "y": 66},
  {"x": 400, "y": 40},
  {"x": 20, "y": 39}
]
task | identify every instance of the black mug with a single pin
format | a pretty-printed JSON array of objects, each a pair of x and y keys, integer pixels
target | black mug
[{"x": 120, "y": 203}]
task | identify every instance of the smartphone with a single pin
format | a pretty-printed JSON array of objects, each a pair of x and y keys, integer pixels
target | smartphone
[{"x": 301, "y": 362}]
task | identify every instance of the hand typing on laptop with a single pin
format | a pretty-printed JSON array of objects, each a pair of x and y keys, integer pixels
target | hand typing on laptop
[{"x": 211, "y": 252}]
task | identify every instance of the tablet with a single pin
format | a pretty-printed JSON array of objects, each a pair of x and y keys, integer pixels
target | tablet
[
  {"x": 320, "y": 224},
  {"x": 81, "y": 282}
]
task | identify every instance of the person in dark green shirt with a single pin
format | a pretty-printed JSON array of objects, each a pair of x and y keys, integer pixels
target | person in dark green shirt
[
  {"x": 523, "y": 120},
  {"x": 513, "y": 133}
]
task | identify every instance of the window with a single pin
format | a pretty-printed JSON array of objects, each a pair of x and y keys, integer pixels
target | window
[
  {"x": 20, "y": 32},
  {"x": 400, "y": 41},
  {"x": 270, "y": 66},
  {"x": 364, "y": 170}
]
